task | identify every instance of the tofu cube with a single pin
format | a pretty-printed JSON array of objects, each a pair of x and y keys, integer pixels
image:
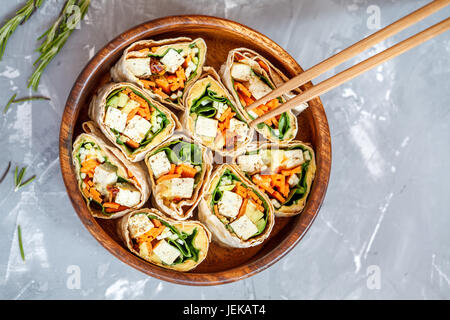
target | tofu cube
[
  {"x": 258, "y": 88},
  {"x": 115, "y": 119},
  {"x": 104, "y": 175},
  {"x": 307, "y": 155},
  {"x": 137, "y": 129},
  {"x": 250, "y": 163},
  {"x": 230, "y": 204},
  {"x": 294, "y": 158},
  {"x": 276, "y": 159},
  {"x": 275, "y": 203},
  {"x": 181, "y": 188},
  {"x": 140, "y": 67},
  {"x": 240, "y": 128},
  {"x": 206, "y": 127},
  {"x": 293, "y": 180},
  {"x": 240, "y": 71},
  {"x": 160, "y": 164},
  {"x": 167, "y": 253},
  {"x": 138, "y": 225},
  {"x": 172, "y": 60},
  {"x": 128, "y": 196},
  {"x": 221, "y": 107},
  {"x": 244, "y": 227}
]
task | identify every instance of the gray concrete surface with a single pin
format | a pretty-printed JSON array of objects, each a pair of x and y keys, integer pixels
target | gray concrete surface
[{"x": 383, "y": 229}]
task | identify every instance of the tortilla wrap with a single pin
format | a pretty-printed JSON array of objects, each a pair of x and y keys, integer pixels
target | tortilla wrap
[
  {"x": 183, "y": 209},
  {"x": 97, "y": 112},
  {"x": 121, "y": 71},
  {"x": 134, "y": 173},
  {"x": 220, "y": 233},
  {"x": 306, "y": 176},
  {"x": 273, "y": 78},
  {"x": 211, "y": 80},
  {"x": 200, "y": 242}
]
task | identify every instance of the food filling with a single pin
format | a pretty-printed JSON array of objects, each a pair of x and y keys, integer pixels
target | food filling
[
  {"x": 152, "y": 235},
  {"x": 280, "y": 173},
  {"x": 165, "y": 70},
  {"x": 133, "y": 119},
  {"x": 251, "y": 85},
  {"x": 177, "y": 169},
  {"x": 108, "y": 188},
  {"x": 217, "y": 121},
  {"x": 239, "y": 207}
]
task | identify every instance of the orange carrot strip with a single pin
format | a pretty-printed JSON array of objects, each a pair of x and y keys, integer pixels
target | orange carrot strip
[
  {"x": 240, "y": 87},
  {"x": 278, "y": 196},
  {"x": 132, "y": 144},
  {"x": 242, "y": 209},
  {"x": 111, "y": 205},
  {"x": 156, "y": 222},
  {"x": 167, "y": 177},
  {"x": 263, "y": 65}
]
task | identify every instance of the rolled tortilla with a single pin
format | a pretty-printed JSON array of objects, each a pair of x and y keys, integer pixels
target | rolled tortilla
[
  {"x": 111, "y": 185},
  {"x": 183, "y": 245},
  {"x": 285, "y": 172},
  {"x": 163, "y": 68},
  {"x": 182, "y": 171},
  {"x": 207, "y": 101},
  {"x": 249, "y": 77},
  {"x": 133, "y": 116},
  {"x": 238, "y": 217}
]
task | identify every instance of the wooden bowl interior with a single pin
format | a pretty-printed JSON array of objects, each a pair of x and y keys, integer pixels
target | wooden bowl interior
[{"x": 222, "y": 264}]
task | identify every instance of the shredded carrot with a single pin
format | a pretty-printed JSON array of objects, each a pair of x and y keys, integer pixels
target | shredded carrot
[
  {"x": 185, "y": 171},
  {"x": 240, "y": 87},
  {"x": 147, "y": 83},
  {"x": 133, "y": 144},
  {"x": 167, "y": 177},
  {"x": 156, "y": 222},
  {"x": 172, "y": 168},
  {"x": 242, "y": 209},
  {"x": 290, "y": 172},
  {"x": 95, "y": 195},
  {"x": 111, "y": 210},
  {"x": 132, "y": 114},
  {"x": 154, "y": 49},
  {"x": 263, "y": 65},
  {"x": 254, "y": 197},
  {"x": 238, "y": 56},
  {"x": 186, "y": 61},
  {"x": 278, "y": 196},
  {"x": 144, "y": 50},
  {"x": 111, "y": 205},
  {"x": 163, "y": 84},
  {"x": 216, "y": 210}
]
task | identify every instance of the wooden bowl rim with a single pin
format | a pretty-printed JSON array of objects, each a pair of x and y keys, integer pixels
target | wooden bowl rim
[{"x": 70, "y": 117}]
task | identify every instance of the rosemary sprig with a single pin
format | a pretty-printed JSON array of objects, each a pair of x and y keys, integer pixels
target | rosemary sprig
[
  {"x": 18, "y": 176},
  {"x": 57, "y": 35},
  {"x": 19, "y": 235},
  {"x": 14, "y": 100},
  {"x": 11, "y": 25},
  {"x": 5, "y": 173}
]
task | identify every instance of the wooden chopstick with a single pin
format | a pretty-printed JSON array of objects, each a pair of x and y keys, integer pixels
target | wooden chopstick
[
  {"x": 352, "y": 51},
  {"x": 358, "y": 69}
]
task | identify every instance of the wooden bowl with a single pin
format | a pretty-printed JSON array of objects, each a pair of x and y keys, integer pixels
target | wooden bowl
[{"x": 221, "y": 265}]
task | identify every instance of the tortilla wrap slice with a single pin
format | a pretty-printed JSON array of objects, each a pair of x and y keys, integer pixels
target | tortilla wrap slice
[
  {"x": 207, "y": 99},
  {"x": 249, "y": 76},
  {"x": 111, "y": 185},
  {"x": 133, "y": 115},
  {"x": 221, "y": 201},
  {"x": 143, "y": 239},
  {"x": 285, "y": 172},
  {"x": 162, "y": 68},
  {"x": 182, "y": 173}
]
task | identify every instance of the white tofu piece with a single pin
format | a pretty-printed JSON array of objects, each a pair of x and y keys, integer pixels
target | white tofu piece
[
  {"x": 293, "y": 180},
  {"x": 127, "y": 196},
  {"x": 250, "y": 163},
  {"x": 244, "y": 227},
  {"x": 138, "y": 225},
  {"x": 181, "y": 188},
  {"x": 240, "y": 71},
  {"x": 306, "y": 155},
  {"x": 140, "y": 67},
  {"x": 167, "y": 253},
  {"x": 276, "y": 159},
  {"x": 230, "y": 204},
  {"x": 275, "y": 203},
  {"x": 258, "y": 88},
  {"x": 137, "y": 128},
  {"x": 240, "y": 128},
  {"x": 115, "y": 119},
  {"x": 167, "y": 234},
  {"x": 172, "y": 60},
  {"x": 160, "y": 164},
  {"x": 206, "y": 127},
  {"x": 293, "y": 158},
  {"x": 221, "y": 108},
  {"x": 104, "y": 175}
]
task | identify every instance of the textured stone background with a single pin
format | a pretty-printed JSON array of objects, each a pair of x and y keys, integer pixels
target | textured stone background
[{"x": 387, "y": 204}]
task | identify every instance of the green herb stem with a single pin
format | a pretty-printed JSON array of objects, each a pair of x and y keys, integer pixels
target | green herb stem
[{"x": 19, "y": 235}]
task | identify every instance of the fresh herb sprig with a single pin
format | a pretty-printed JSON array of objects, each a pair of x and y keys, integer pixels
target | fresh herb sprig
[
  {"x": 5, "y": 173},
  {"x": 57, "y": 35},
  {"x": 19, "y": 236},
  {"x": 14, "y": 100},
  {"x": 18, "y": 176},
  {"x": 11, "y": 25}
]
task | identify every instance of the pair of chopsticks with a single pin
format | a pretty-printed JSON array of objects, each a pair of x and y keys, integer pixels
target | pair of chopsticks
[{"x": 359, "y": 68}]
